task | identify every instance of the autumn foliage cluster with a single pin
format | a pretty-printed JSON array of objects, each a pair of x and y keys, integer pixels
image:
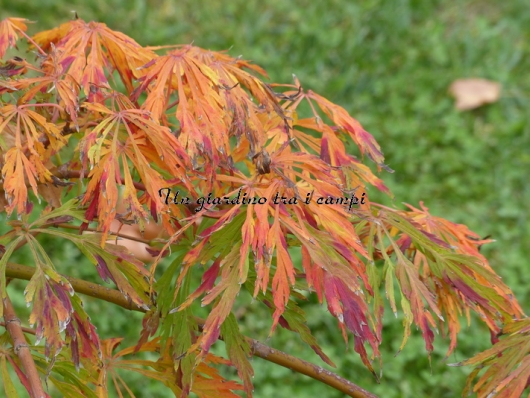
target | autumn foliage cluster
[{"x": 92, "y": 122}]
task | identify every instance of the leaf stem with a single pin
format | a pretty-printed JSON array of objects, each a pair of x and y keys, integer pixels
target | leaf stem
[{"x": 28, "y": 38}]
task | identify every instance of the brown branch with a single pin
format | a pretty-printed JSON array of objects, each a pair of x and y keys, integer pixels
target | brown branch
[
  {"x": 258, "y": 349},
  {"x": 20, "y": 271},
  {"x": 120, "y": 235},
  {"x": 76, "y": 227},
  {"x": 314, "y": 371},
  {"x": 12, "y": 324},
  {"x": 24, "y": 329},
  {"x": 67, "y": 174}
]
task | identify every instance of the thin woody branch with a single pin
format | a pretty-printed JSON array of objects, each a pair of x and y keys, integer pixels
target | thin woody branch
[
  {"x": 119, "y": 235},
  {"x": 67, "y": 174},
  {"x": 260, "y": 350},
  {"x": 24, "y": 329},
  {"x": 21, "y": 348},
  {"x": 75, "y": 227},
  {"x": 314, "y": 371}
]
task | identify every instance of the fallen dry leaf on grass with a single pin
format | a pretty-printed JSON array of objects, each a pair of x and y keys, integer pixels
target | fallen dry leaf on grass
[{"x": 473, "y": 93}]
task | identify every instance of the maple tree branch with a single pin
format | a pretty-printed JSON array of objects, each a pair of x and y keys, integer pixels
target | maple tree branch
[
  {"x": 21, "y": 348},
  {"x": 260, "y": 350},
  {"x": 120, "y": 235},
  {"x": 24, "y": 329},
  {"x": 76, "y": 227},
  {"x": 309, "y": 369},
  {"x": 67, "y": 174},
  {"x": 19, "y": 271}
]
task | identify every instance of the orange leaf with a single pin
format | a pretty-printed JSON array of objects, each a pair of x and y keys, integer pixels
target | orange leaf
[{"x": 8, "y": 32}]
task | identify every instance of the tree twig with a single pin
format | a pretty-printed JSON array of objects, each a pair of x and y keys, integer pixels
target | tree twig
[
  {"x": 120, "y": 235},
  {"x": 76, "y": 227},
  {"x": 314, "y": 371},
  {"x": 67, "y": 174},
  {"x": 260, "y": 350},
  {"x": 12, "y": 324},
  {"x": 24, "y": 329}
]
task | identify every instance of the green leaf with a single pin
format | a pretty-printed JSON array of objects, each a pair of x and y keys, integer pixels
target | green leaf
[
  {"x": 9, "y": 387},
  {"x": 3, "y": 263},
  {"x": 114, "y": 262},
  {"x": 66, "y": 213},
  {"x": 238, "y": 351}
]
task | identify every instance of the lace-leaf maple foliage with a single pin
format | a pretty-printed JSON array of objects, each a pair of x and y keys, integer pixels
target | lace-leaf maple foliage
[{"x": 98, "y": 120}]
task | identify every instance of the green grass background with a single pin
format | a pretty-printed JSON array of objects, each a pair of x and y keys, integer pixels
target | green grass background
[{"x": 389, "y": 63}]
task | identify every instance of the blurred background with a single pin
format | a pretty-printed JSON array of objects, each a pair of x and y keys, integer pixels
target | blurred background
[{"x": 390, "y": 64}]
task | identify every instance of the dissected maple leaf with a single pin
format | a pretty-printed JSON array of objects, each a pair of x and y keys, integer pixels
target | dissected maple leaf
[
  {"x": 364, "y": 140},
  {"x": 439, "y": 257},
  {"x": 11, "y": 68},
  {"x": 10, "y": 28},
  {"x": 87, "y": 50},
  {"x": 55, "y": 79},
  {"x": 26, "y": 126},
  {"x": 123, "y": 138},
  {"x": 507, "y": 364},
  {"x": 212, "y": 103},
  {"x": 207, "y": 383},
  {"x": 51, "y": 309}
]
